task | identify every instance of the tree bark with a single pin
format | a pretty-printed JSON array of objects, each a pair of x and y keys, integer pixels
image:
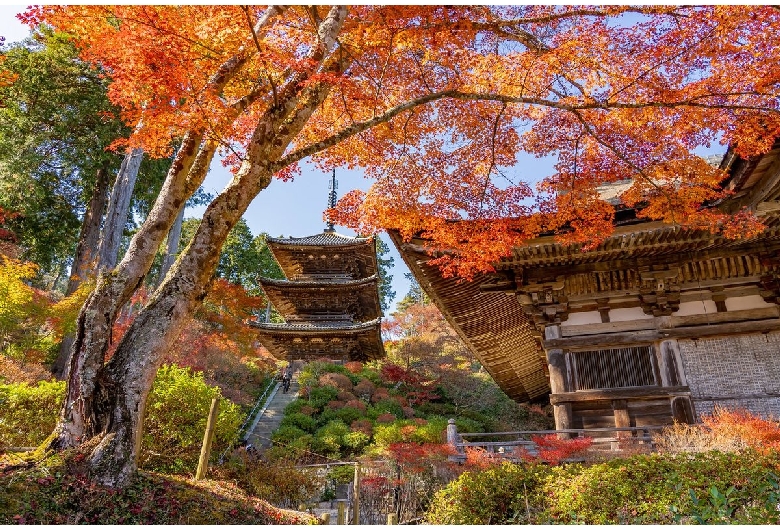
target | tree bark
[
  {"x": 114, "y": 289},
  {"x": 118, "y": 209},
  {"x": 86, "y": 254}
]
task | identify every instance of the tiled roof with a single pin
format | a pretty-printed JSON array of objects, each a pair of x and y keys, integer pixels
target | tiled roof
[{"x": 323, "y": 239}]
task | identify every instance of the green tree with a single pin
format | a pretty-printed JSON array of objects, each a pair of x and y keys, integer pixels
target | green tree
[
  {"x": 384, "y": 266},
  {"x": 55, "y": 126}
]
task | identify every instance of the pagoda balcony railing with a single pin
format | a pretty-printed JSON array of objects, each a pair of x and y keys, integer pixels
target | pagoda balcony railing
[
  {"x": 314, "y": 317},
  {"x": 322, "y": 276}
]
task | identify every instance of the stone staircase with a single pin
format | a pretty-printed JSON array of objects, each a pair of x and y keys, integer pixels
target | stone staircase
[{"x": 271, "y": 416}]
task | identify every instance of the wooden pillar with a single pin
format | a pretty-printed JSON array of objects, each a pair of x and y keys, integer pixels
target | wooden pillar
[
  {"x": 622, "y": 419},
  {"x": 341, "y": 516},
  {"x": 356, "y": 496},
  {"x": 559, "y": 378},
  {"x": 208, "y": 436}
]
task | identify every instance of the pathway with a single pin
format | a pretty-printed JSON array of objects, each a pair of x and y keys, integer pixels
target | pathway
[{"x": 270, "y": 417}]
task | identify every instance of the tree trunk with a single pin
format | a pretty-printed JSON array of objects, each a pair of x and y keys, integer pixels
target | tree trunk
[
  {"x": 86, "y": 253},
  {"x": 174, "y": 236},
  {"x": 118, "y": 209},
  {"x": 114, "y": 289}
]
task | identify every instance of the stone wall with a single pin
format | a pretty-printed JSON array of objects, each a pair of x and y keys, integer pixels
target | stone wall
[{"x": 735, "y": 372}]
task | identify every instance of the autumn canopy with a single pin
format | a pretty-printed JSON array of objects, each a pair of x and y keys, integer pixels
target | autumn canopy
[{"x": 435, "y": 104}]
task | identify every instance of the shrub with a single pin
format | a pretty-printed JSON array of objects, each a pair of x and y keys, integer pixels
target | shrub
[
  {"x": 176, "y": 413},
  {"x": 28, "y": 413},
  {"x": 723, "y": 430},
  {"x": 286, "y": 434},
  {"x": 365, "y": 389},
  {"x": 330, "y": 438},
  {"x": 349, "y": 414},
  {"x": 505, "y": 494},
  {"x": 280, "y": 483},
  {"x": 641, "y": 489},
  {"x": 356, "y": 440},
  {"x": 321, "y": 396},
  {"x": 301, "y": 421},
  {"x": 363, "y": 425},
  {"x": 385, "y": 418},
  {"x": 354, "y": 367},
  {"x": 340, "y": 381},
  {"x": 385, "y": 406}
]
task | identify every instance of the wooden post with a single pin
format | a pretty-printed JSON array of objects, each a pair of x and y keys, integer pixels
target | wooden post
[
  {"x": 356, "y": 496},
  {"x": 139, "y": 431},
  {"x": 325, "y": 518},
  {"x": 392, "y": 519},
  {"x": 341, "y": 517},
  {"x": 559, "y": 380},
  {"x": 622, "y": 418},
  {"x": 208, "y": 436}
]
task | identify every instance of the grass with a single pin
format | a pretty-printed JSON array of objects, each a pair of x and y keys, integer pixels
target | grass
[{"x": 55, "y": 489}]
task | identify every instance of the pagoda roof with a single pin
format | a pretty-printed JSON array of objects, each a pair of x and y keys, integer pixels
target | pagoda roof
[
  {"x": 356, "y": 299},
  {"x": 323, "y": 239},
  {"x": 325, "y": 255},
  {"x": 323, "y": 340}
]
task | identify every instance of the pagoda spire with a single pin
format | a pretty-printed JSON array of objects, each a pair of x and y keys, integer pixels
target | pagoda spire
[{"x": 333, "y": 186}]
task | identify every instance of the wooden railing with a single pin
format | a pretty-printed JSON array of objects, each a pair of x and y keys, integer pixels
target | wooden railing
[{"x": 504, "y": 448}]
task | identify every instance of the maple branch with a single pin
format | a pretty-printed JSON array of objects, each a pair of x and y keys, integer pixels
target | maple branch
[
  {"x": 595, "y": 105},
  {"x": 492, "y": 154},
  {"x": 359, "y": 127}
]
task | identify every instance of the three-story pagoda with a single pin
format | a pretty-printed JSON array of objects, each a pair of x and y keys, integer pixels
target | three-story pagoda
[{"x": 329, "y": 299}]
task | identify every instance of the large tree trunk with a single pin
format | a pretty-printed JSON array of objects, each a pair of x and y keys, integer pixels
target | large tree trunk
[
  {"x": 118, "y": 208},
  {"x": 114, "y": 289},
  {"x": 86, "y": 254}
]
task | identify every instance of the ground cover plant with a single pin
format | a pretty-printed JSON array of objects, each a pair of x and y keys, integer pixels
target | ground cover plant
[{"x": 57, "y": 490}]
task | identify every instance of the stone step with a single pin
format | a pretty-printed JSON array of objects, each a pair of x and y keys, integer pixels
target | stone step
[{"x": 260, "y": 437}]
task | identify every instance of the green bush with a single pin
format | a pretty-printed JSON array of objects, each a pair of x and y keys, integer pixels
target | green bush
[
  {"x": 494, "y": 496},
  {"x": 356, "y": 440},
  {"x": 286, "y": 434},
  {"x": 321, "y": 396},
  {"x": 643, "y": 489},
  {"x": 386, "y": 406},
  {"x": 330, "y": 438},
  {"x": 348, "y": 414},
  {"x": 709, "y": 487},
  {"x": 302, "y": 421},
  {"x": 176, "y": 412},
  {"x": 28, "y": 413}
]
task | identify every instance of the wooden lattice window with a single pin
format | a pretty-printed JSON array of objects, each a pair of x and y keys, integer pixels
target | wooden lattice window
[{"x": 614, "y": 368}]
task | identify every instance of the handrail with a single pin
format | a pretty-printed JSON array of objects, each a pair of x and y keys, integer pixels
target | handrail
[
  {"x": 566, "y": 431},
  {"x": 241, "y": 433}
]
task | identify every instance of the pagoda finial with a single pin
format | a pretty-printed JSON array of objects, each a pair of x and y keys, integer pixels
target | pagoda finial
[{"x": 334, "y": 185}]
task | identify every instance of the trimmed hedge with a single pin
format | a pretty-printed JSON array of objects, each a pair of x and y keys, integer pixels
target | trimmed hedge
[{"x": 644, "y": 489}]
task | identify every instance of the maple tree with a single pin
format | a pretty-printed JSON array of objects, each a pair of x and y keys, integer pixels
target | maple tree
[{"x": 435, "y": 103}]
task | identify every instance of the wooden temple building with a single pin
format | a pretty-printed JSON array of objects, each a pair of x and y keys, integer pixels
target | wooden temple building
[
  {"x": 656, "y": 324},
  {"x": 329, "y": 299}
]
